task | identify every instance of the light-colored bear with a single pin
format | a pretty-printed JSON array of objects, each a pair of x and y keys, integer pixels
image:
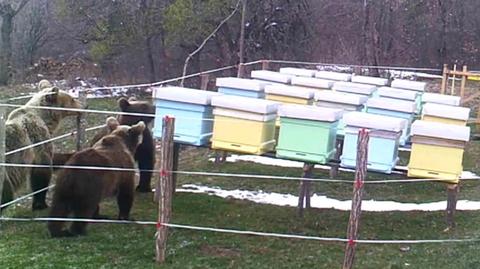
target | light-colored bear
[{"x": 26, "y": 126}]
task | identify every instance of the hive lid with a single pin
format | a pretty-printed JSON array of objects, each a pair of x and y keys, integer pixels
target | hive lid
[
  {"x": 217, "y": 111},
  {"x": 445, "y": 111},
  {"x": 409, "y": 85},
  {"x": 271, "y": 76},
  {"x": 441, "y": 99},
  {"x": 357, "y": 88},
  {"x": 184, "y": 95},
  {"x": 373, "y": 121},
  {"x": 292, "y": 91},
  {"x": 392, "y": 104},
  {"x": 241, "y": 83},
  {"x": 312, "y": 82},
  {"x": 245, "y": 104},
  {"x": 310, "y": 112},
  {"x": 440, "y": 130},
  {"x": 333, "y": 75},
  {"x": 340, "y": 97},
  {"x": 397, "y": 93},
  {"x": 298, "y": 72},
  {"x": 370, "y": 80}
]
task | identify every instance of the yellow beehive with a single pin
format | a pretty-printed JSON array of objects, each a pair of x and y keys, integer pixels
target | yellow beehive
[
  {"x": 445, "y": 114},
  {"x": 437, "y": 150},
  {"x": 243, "y": 124}
]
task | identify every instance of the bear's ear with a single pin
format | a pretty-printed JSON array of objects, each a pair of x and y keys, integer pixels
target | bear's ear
[
  {"x": 43, "y": 84},
  {"x": 112, "y": 124},
  {"x": 123, "y": 104},
  {"x": 51, "y": 95},
  {"x": 109, "y": 140},
  {"x": 137, "y": 128}
]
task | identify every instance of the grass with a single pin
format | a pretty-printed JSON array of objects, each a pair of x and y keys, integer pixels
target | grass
[{"x": 27, "y": 244}]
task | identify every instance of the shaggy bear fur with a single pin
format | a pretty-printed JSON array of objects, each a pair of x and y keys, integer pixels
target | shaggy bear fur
[
  {"x": 26, "y": 126},
  {"x": 145, "y": 155},
  {"x": 80, "y": 191}
]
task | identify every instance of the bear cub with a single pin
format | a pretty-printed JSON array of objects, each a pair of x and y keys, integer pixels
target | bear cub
[{"x": 80, "y": 191}]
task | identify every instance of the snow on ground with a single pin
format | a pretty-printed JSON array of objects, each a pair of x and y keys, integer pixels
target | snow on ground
[{"x": 321, "y": 201}]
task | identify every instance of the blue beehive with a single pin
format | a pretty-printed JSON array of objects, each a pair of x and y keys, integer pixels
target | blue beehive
[
  {"x": 370, "y": 80},
  {"x": 300, "y": 72},
  {"x": 241, "y": 87},
  {"x": 401, "y": 94},
  {"x": 355, "y": 88},
  {"x": 271, "y": 76},
  {"x": 383, "y": 143},
  {"x": 192, "y": 110},
  {"x": 410, "y": 85},
  {"x": 394, "y": 108},
  {"x": 346, "y": 101}
]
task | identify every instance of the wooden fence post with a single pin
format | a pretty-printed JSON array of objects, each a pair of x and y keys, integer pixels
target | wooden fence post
[
  {"x": 452, "y": 193},
  {"x": 444, "y": 79},
  {"x": 339, "y": 149},
  {"x": 304, "y": 190},
  {"x": 204, "y": 79},
  {"x": 360, "y": 175},
  {"x": 265, "y": 65},
  {"x": 3, "y": 118},
  {"x": 452, "y": 91},
  {"x": 81, "y": 122},
  {"x": 164, "y": 186},
  {"x": 462, "y": 84}
]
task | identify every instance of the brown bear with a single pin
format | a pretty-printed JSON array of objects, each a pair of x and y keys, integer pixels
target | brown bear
[
  {"x": 145, "y": 154},
  {"x": 26, "y": 126},
  {"x": 80, "y": 191}
]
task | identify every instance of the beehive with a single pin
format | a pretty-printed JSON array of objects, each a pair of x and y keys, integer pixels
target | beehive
[
  {"x": 340, "y": 100},
  {"x": 335, "y": 76},
  {"x": 446, "y": 114},
  {"x": 271, "y": 76},
  {"x": 241, "y": 87},
  {"x": 410, "y": 85},
  {"x": 307, "y": 133},
  {"x": 312, "y": 83},
  {"x": 298, "y": 72},
  {"x": 437, "y": 150},
  {"x": 394, "y": 108},
  {"x": 355, "y": 88},
  {"x": 443, "y": 99},
  {"x": 400, "y": 94},
  {"x": 370, "y": 80},
  {"x": 383, "y": 143},
  {"x": 192, "y": 110},
  {"x": 244, "y": 124},
  {"x": 289, "y": 94}
]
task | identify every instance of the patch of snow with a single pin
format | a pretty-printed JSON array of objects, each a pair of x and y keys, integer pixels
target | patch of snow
[{"x": 321, "y": 201}]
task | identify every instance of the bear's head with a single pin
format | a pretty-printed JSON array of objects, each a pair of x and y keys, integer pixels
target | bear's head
[
  {"x": 133, "y": 106},
  {"x": 131, "y": 136},
  {"x": 54, "y": 97}
]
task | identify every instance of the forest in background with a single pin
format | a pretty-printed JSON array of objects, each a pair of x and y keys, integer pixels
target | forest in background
[{"x": 132, "y": 41}]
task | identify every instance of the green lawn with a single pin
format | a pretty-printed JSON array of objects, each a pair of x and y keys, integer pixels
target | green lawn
[{"x": 27, "y": 244}]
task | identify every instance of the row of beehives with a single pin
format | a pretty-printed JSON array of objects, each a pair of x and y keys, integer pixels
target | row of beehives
[{"x": 299, "y": 113}]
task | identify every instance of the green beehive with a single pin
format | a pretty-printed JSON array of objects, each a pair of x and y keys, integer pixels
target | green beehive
[{"x": 307, "y": 133}]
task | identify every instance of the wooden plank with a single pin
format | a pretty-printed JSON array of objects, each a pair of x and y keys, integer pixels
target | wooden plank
[
  {"x": 164, "y": 188},
  {"x": 355, "y": 213},
  {"x": 265, "y": 65},
  {"x": 339, "y": 150},
  {"x": 444, "y": 79},
  {"x": 452, "y": 92},
  {"x": 204, "y": 79},
  {"x": 304, "y": 188},
  {"x": 462, "y": 84},
  {"x": 3, "y": 119},
  {"x": 452, "y": 195}
]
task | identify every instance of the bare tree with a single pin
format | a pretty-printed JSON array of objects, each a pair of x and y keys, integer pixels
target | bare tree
[{"x": 8, "y": 11}]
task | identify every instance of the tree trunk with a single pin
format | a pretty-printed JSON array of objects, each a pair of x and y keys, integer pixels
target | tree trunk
[
  {"x": 6, "y": 46},
  {"x": 150, "y": 60}
]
